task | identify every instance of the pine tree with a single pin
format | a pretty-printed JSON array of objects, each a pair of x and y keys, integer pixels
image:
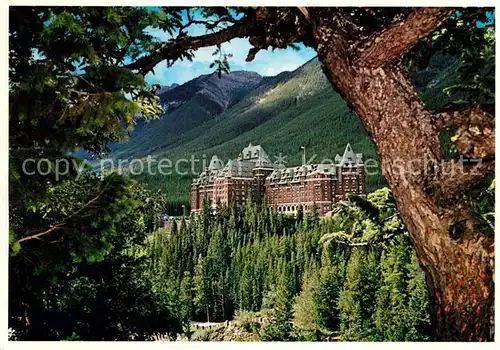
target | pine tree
[
  {"x": 186, "y": 299},
  {"x": 246, "y": 286},
  {"x": 418, "y": 308},
  {"x": 269, "y": 293},
  {"x": 300, "y": 215},
  {"x": 315, "y": 215},
  {"x": 200, "y": 289},
  {"x": 392, "y": 299},
  {"x": 174, "y": 228},
  {"x": 305, "y": 311},
  {"x": 356, "y": 301},
  {"x": 216, "y": 270},
  {"x": 331, "y": 283},
  {"x": 283, "y": 309}
]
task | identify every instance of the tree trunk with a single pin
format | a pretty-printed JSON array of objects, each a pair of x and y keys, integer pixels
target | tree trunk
[{"x": 456, "y": 256}]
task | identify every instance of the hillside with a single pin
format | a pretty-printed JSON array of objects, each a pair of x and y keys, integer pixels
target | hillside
[
  {"x": 208, "y": 116},
  {"x": 186, "y": 107}
]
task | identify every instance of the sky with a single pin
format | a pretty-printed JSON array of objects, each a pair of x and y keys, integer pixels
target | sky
[{"x": 266, "y": 62}]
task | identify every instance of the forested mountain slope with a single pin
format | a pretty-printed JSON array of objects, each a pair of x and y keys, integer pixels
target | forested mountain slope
[{"x": 208, "y": 116}]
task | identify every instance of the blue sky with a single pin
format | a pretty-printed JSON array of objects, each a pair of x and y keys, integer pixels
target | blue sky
[{"x": 266, "y": 62}]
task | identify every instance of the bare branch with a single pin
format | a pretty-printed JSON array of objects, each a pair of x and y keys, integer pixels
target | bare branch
[
  {"x": 475, "y": 135},
  {"x": 38, "y": 235},
  {"x": 174, "y": 49},
  {"x": 474, "y": 139},
  {"x": 350, "y": 243},
  {"x": 353, "y": 244},
  {"x": 344, "y": 239},
  {"x": 251, "y": 54},
  {"x": 305, "y": 12},
  {"x": 390, "y": 43},
  {"x": 456, "y": 177},
  {"x": 61, "y": 224},
  {"x": 209, "y": 24}
]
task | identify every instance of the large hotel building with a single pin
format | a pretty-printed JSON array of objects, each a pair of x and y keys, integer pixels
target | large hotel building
[{"x": 286, "y": 189}]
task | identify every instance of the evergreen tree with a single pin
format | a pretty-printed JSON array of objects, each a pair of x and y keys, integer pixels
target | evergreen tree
[
  {"x": 356, "y": 301},
  {"x": 216, "y": 272},
  {"x": 340, "y": 288},
  {"x": 300, "y": 215},
  {"x": 173, "y": 229},
  {"x": 391, "y": 318},
  {"x": 186, "y": 299},
  {"x": 418, "y": 308},
  {"x": 281, "y": 327},
  {"x": 314, "y": 215},
  {"x": 330, "y": 285},
  {"x": 305, "y": 306},
  {"x": 200, "y": 300},
  {"x": 246, "y": 286}
]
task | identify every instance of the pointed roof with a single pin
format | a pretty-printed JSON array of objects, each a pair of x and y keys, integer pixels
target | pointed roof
[
  {"x": 215, "y": 164},
  {"x": 256, "y": 154},
  {"x": 348, "y": 153},
  {"x": 349, "y": 156}
]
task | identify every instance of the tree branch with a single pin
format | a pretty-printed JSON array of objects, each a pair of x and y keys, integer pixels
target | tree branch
[
  {"x": 474, "y": 139},
  {"x": 393, "y": 41},
  {"x": 475, "y": 135},
  {"x": 174, "y": 49},
  {"x": 305, "y": 12},
  {"x": 456, "y": 177},
  {"x": 342, "y": 238},
  {"x": 38, "y": 235},
  {"x": 349, "y": 243},
  {"x": 61, "y": 224}
]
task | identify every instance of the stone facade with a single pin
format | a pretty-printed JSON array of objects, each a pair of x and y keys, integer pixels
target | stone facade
[{"x": 286, "y": 189}]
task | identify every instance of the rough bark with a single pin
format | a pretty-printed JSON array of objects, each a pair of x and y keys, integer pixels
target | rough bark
[
  {"x": 456, "y": 255},
  {"x": 392, "y": 41}
]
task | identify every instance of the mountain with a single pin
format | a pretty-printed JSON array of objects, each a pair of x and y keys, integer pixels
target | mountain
[
  {"x": 208, "y": 116},
  {"x": 166, "y": 88},
  {"x": 186, "y": 107}
]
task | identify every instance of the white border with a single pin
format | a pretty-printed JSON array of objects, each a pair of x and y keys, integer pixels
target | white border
[{"x": 179, "y": 345}]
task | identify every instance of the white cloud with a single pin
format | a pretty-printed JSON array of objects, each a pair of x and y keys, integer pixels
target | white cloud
[
  {"x": 180, "y": 73},
  {"x": 266, "y": 62}
]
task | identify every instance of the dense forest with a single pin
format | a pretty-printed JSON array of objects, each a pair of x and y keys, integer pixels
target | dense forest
[{"x": 355, "y": 274}]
